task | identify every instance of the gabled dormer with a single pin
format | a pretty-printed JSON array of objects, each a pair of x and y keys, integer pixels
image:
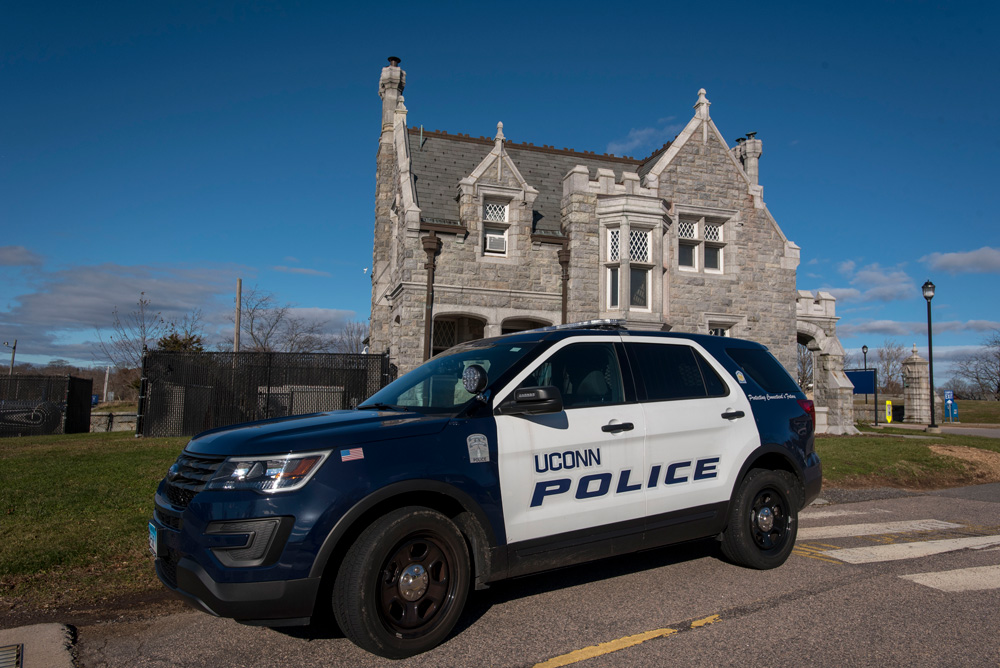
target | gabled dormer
[{"x": 496, "y": 204}]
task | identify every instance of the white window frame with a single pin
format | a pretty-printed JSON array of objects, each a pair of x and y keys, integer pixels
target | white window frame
[
  {"x": 494, "y": 227},
  {"x": 646, "y": 266},
  {"x": 613, "y": 265},
  {"x": 700, "y": 244}
]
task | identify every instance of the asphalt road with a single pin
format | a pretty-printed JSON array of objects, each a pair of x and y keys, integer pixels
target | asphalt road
[{"x": 863, "y": 588}]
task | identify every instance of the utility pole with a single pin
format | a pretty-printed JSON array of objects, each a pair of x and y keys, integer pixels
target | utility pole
[
  {"x": 239, "y": 308},
  {"x": 107, "y": 377},
  {"x": 13, "y": 349}
]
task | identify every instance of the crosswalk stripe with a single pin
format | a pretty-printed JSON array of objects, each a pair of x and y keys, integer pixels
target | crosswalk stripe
[
  {"x": 898, "y": 551},
  {"x": 977, "y": 578},
  {"x": 820, "y": 514},
  {"x": 849, "y": 530}
]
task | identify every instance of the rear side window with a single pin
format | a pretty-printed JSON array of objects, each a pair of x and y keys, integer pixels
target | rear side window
[
  {"x": 674, "y": 372},
  {"x": 765, "y": 370}
]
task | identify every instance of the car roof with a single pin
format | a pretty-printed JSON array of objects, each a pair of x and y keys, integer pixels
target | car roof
[{"x": 604, "y": 327}]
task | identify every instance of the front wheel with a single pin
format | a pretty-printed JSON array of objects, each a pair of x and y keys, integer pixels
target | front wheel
[
  {"x": 402, "y": 585},
  {"x": 763, "y": 520}
]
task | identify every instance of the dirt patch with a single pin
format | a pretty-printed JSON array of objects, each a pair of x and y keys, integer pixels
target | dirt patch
[
  {"x": 131, "y": 607},
  {"x": 984, "y": 465}
]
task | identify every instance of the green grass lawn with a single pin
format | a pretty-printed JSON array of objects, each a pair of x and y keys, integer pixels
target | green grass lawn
[
  {"x": 73, "y": 514},
  {"x": 979, "y": 412},
  {"x": 886, "y": 457}
]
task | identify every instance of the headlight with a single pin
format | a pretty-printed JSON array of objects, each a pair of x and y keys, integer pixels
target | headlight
[{"x": 274, "y": 474}]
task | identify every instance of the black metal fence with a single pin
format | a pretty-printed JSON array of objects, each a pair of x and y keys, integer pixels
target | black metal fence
[
  {"x": 36, "y": 405},
  {"x": 186, "y": 393}
]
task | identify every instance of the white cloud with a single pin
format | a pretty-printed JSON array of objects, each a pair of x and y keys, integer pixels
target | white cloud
[
  {"x": 61, "y": 315},
  {"x": 916, "y": 328},
  {"x": 643, "y": 141},
  {"x": 303, "y": 271},
  {"x": 18, "y": 256},
  {"x": 873, "y": 283},
  {"x": 985, "y": 260}
]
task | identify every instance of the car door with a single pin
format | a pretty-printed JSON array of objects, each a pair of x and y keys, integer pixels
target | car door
[
  {"x": 699, "y": 426},
  {"x": 579, "y": 468}
]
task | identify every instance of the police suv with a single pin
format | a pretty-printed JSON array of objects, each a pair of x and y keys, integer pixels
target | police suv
[{"x": 497, "y": 458}]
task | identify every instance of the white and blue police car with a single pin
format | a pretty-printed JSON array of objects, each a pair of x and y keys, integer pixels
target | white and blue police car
[{"x": 496, "y": 458}]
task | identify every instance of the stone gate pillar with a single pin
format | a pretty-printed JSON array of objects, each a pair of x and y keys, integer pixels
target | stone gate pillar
[{"x": 916, "y": 391}]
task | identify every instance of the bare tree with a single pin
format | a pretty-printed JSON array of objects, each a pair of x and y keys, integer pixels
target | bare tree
[
  {"x": 981, "y": 371},
  {"x": 853, "y": 360},
  {"x": 351, "y": 338},
  {"x": 268, "y": 326},
  {"x": 889, "y": 362},
  {"x": 131, "y": 334},
  {"x": 804, "y": 375}
]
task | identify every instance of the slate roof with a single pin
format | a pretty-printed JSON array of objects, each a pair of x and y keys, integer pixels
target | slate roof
[{"x": 444, "y": 159}]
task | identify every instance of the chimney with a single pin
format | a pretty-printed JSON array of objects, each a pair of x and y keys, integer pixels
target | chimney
[
  {"x": 390, "y": 88},
  {"x": 750, "y": 152}
]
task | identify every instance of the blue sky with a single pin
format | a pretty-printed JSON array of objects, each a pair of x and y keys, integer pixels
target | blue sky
[{"x": 172, "y": 147}]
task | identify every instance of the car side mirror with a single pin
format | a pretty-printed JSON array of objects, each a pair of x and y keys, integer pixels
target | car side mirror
[{"x": 532, "y": 401}]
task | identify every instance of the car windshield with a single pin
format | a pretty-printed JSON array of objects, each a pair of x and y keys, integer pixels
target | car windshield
[{"x": 436, "y": 386}]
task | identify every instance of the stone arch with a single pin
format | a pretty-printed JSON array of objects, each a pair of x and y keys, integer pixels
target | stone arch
[{"x": 833, "y": 393}]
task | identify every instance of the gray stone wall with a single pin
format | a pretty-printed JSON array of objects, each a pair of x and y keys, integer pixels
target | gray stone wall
[{"x": 755, "y": 288}]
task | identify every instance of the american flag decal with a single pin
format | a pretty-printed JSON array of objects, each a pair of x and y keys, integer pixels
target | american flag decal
[{"x": 352, "y": 454}]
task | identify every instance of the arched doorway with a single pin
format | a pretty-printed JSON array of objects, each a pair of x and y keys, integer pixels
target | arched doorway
[{"x": 450, "y": 330}]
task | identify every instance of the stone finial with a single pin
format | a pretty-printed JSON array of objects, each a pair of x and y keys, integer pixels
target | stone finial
[
  {"x": 914, "y": 349},
  {"x": 499, "y": 138},
  {"x": 702, "y": 105}
]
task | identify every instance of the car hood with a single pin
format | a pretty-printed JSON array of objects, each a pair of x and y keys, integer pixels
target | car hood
[{"x": 317, "y": 431}]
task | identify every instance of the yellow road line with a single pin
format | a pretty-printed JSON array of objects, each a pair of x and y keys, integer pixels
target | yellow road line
[
  {"x": 705, "y": 622},
  {"x": 604, "y": 648},
  {"x": 621, "y": 643}
]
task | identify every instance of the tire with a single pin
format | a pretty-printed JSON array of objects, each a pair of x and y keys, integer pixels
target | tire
[
  {"x": 763, "y": 520},
  {"x": 403, "y": 583}
]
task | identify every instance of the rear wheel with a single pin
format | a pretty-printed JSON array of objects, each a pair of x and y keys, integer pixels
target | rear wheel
[
  {"x": 763, "y": 520},
  {"x": 402, "y": 585}
]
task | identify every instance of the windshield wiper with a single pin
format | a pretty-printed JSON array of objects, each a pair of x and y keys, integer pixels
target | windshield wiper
[{"x": 383, "y": 407}]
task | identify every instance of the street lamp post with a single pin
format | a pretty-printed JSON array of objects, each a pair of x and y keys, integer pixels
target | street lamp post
[
  {"x": 864, "y": 351},
  {"x": 928, "y": 290}
]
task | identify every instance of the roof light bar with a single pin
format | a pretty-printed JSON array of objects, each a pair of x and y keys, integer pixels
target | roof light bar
[{"x": 603, "y": 323}]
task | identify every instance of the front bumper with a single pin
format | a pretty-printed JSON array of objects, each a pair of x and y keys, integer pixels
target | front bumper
[{"x": 268, "y": 603}]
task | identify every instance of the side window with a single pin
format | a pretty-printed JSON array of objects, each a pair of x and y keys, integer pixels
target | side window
[
  {"x": 675, "y": 372},
  {"x": 765, "y": 370},
  {"x": 587, "y": 374}
]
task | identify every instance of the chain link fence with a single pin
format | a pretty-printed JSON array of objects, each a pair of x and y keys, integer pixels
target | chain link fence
[
  {"x": 38, "y": 405},
  {"x": 183, "y": 394}
]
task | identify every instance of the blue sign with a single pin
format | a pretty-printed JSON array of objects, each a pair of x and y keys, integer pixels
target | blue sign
[
  {"x": 950, "y": 408},
  {"x": 949, "y": 395},
  {"x": 864, "y": 381}
]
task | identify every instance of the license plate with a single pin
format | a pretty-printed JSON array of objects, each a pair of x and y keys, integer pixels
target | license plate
[{"x": 152, "y": 539}]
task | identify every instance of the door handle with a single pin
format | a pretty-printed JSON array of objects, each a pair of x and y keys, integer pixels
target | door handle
[
  {"x": 617, "y": 427},
  {"x": 733, "y": 415}
]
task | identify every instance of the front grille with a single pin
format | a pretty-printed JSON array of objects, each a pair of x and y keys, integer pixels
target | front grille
[
  {"x": 167, "y": 520},
  {"x": 188, "y": 476},
  {"x": 168, "y": 567}
]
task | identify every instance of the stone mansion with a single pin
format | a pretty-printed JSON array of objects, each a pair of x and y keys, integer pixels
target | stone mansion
[{"x": 477, "y": 237}]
